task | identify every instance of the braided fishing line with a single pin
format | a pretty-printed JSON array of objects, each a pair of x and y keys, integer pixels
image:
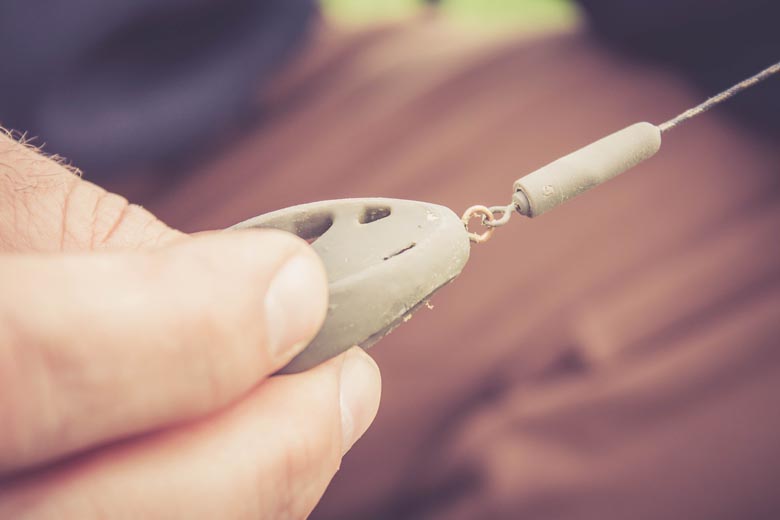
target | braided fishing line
[{"x": 720, "y": 98}]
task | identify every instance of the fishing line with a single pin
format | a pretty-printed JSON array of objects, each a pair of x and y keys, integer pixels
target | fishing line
[{"x": 720, "y": 98}]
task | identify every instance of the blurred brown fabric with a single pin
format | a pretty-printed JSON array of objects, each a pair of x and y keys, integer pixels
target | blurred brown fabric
[{"x": 617, "y": 358}]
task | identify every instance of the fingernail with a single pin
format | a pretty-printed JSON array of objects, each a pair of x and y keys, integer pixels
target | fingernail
[
  {"x": 295, "y": 305},
  {"x": 359, "y": 395}
]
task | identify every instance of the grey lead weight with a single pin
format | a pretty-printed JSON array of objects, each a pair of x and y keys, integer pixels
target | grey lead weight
[
  {"x": 384, "y": 259},
  {"x": 567, "y": 177}
]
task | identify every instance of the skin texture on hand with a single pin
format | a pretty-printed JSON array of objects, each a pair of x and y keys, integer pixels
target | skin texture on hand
[{"x": 135, "y": 361}]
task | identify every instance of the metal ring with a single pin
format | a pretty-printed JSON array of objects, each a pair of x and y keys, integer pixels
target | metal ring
[
  {"x": 488, "y": 219},
  {"x": 506, "y": 214}
]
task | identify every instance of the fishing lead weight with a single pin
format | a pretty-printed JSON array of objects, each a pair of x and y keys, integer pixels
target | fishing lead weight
[{"x": 384, "y": 258}]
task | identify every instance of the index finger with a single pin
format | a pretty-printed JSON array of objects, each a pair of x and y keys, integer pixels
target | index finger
[{"x": 45, "y": 206}]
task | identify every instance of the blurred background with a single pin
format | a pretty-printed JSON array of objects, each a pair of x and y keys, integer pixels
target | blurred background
[{"x": 617, "y": 358}]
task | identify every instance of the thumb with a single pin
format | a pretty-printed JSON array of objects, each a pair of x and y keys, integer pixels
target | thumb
[{"x": 123, "y": 343}]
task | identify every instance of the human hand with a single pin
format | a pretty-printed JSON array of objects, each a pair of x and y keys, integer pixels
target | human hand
[{"x": 134, "y": 361}]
